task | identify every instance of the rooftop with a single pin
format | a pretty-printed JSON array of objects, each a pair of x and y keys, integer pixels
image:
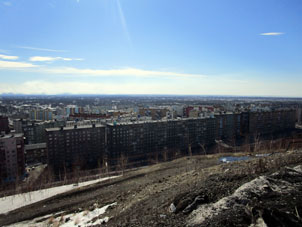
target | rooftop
[
  {"x": 6, "y": 136},
  {"x": 74, "y": 127},
  {"x": 156, "y": 121}
]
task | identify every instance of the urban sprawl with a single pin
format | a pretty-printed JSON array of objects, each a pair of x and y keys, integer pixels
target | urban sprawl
[{"x": 81, "y": 133}]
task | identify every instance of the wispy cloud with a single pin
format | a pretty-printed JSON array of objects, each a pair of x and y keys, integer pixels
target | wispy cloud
[
  {"x": 194, "y": 87},
  {"x": 117, "y": 72},
  {"x": 4, "y": 51},
  {"x": 272, "y": 33},
  {"x": 123, "y": 21},
  {"x": 15, "y": 65},
  {"x": 48, "y": 59},
  {"x": 124, "y": 72},
  {"x": 7, "y": 3},
  {"x": 7, "y": 57},
  {"x": 40, "y": 49}
]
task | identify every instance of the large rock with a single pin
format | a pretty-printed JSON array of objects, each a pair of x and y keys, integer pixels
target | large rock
[{"x": 263, "y": 200}]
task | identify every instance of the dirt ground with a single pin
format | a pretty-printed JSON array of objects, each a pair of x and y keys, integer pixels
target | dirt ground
[{"x": 144, "y": 196}]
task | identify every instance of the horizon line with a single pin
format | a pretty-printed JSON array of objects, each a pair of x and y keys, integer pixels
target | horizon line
[{"x": 203, "y": 95}]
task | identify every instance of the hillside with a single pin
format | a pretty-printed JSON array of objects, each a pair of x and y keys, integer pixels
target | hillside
[{"x": 176, "y": 193}]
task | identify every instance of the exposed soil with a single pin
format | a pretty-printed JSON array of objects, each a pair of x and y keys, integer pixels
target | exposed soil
[{"x": 144, "y": 196}]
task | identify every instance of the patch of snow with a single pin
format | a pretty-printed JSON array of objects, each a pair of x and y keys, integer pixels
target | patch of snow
[
  {"x": 13, "y": 202},
  {"x": 298, "y": 168},
  {"x": 259, "y": 223},
  {"x": 37, "y": 222},
  {"x": 224, "y": 160},
  {"x": 262, "y": 155},
  {"x": 172, "y": 208},
  {"x": 83, "y": 218},
  {"x": 259, "y": 186},
  {"x": 101, "y": 221}
]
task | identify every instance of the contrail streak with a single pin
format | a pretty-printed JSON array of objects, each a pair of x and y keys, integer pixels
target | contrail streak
[{"x": 123, "y": 21}]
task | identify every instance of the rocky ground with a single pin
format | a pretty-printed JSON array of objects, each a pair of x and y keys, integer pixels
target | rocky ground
[{"x": 192, "y": 191}]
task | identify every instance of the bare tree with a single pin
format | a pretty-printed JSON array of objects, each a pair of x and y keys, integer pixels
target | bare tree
[
  {"x": 190, "y": 149},
  {"x": 123, "y": 161},
  {"x": 256, "y": 142},
  {"x": 165, "y": 154},
  {"x": 203, "y": 148}
]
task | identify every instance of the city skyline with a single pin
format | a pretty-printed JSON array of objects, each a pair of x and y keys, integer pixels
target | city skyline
[{"x": 250, "y": 48}]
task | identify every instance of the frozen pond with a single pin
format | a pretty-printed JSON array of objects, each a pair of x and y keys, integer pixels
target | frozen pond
[{"x": 228, "y": 159}]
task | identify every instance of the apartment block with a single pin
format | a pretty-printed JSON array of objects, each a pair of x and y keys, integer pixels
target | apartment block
[
  {"x": 35, "y": 153},
  {"x": 78, "y": 147},
  {"x": 155, "y": 113},
  {"x": 43, "y": 115},
  {"x": 72, "y": 109},
  {"x": 142, "y": 141},
  {"x": 269, "y": 122},
  {"x": 4, "y": 125},
  {"x": 228, "y": 126},
  {"x": 139, "y": 142},
  {"x": 34, "y": 131},
  {"x": 299, "y": 115},
  {"x": 12, "y": 165}
]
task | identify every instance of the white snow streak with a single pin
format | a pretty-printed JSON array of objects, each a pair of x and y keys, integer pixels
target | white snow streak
[{"x": 13, "y": 202}]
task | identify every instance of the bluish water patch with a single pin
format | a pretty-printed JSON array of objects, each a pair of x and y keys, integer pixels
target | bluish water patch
[{"x": 228, "y": 159}]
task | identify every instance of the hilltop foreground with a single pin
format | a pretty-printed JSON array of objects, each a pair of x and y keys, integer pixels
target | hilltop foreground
[{"x": 190, "y": 191}]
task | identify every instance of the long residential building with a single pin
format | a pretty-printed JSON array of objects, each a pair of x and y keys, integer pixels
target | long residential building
[
  {"x": 143, "y": 141},
  {"x": 270, "y": 122},
  {"x": 228, "y": 126},
  {"x": 74, "y": 148}
]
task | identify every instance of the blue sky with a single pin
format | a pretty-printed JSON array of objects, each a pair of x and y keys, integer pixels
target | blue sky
[{"x": 206, "y": 47}]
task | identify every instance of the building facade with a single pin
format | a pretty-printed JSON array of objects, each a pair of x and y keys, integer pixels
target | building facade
[
  {"x": 12, "y": 163},
  {"x": 34, "y": 131},
  {"x": 4, "y": 125},
  {"x": 73, "y": 148},
  {"x": 151, "y": 140},
  {"x": 35, "y": 153},
  {"x": 228, "y": 126},
  {"x": 154, "y": 113},
  {"x": 140, "y": 142},
  {"x": 299, "y": 115},
  {"x": 41, "y": 114},
  {"x": 270, "y": 122}
]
